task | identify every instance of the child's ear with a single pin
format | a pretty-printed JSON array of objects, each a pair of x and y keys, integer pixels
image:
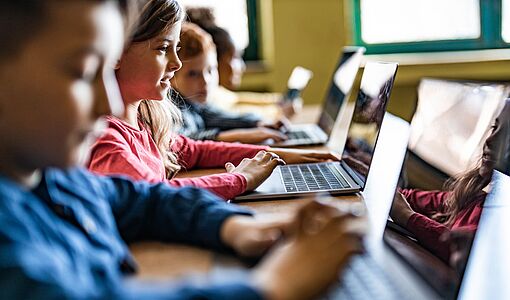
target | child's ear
[{"x": 117, "y": 65}]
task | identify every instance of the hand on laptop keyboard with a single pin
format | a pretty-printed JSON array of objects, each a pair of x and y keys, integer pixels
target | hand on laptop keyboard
[
  {"x": 251, "y": 135},
  {"x": 282, "y": 125},
  {"x": 256, "y": 169},
  {"x": 310, "y": 259},
  {"x": 296, "y": 156}
]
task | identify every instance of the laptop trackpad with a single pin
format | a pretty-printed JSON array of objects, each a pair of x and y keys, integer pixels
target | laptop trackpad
[{"x": 273, "y": 184}]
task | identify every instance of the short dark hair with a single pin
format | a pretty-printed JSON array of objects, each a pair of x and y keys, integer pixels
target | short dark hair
[
  {"x": 204, "y": 17},
  {"x": 20, "y": 19}
]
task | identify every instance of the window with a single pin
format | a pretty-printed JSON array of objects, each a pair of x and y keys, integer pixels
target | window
[
  {"x": 392, "y": 26},
  {"x": 238, "y": 17}
]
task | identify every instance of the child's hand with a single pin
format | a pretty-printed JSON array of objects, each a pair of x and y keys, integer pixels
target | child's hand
[
  {"x": 310, "y": 260},
  {"x": 282, "y": 125},
  {"x": 401, "y": 211},
  {"x": 250, "y": 237},
  {"x": 295, "y": 156},
  {"x": 256, "y": 169},
  {"x": 251, "y": 135}
]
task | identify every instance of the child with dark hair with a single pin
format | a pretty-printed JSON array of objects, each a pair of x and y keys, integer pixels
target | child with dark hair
[
  {"x": 65, "y": 231},
  {"x": 196, "y": 82},
  {"x": 231, "y": 67}
]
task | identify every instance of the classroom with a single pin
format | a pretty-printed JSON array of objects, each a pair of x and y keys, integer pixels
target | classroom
[{"x": 255, "y": 149}]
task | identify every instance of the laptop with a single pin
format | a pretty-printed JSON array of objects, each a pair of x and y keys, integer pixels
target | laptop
[
  {"x": 488, "y": 264},
  {"x": 340, "y": 87},
  {"x": 387, "y": 272},
  {"x": 348, "y": 175},
  {"x": 298, "y": 80}
]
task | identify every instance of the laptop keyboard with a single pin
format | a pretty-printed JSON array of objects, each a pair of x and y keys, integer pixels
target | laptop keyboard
[
  {"x": 298, "y": 135},
  {"x": 311, "y": 177},
  {"x": 365, "y": 279}
]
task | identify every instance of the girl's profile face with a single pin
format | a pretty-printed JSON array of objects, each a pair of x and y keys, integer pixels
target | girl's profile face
[
  {"x": 145, "y": 69},
  {"x": 198, "y": 77},
  {"x": 58, "y": 84}
]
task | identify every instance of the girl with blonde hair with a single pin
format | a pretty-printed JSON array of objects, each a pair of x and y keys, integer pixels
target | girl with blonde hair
[{"x": 142, "y": 144}]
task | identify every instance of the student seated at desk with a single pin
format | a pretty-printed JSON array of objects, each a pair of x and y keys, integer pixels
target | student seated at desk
[
  {"x": 429, "y": 215},
  {"x": 196, "y": 81},
  {"x": 142, "y": 145},
  {"x": 231, "y": 68},
  {"x": 64, "y": 231}
]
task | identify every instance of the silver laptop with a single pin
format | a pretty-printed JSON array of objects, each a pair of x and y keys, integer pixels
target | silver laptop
[
  {"x": 348, "y": 175},
  {"x": 340, "y": 87}
]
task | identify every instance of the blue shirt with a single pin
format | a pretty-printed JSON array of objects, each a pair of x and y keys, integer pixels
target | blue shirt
[{"x": 67, "y": 237}]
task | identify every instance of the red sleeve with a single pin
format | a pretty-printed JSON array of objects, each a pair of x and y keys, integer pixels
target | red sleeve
[
  {"x": 224, "y": 185},
  {"x": 111, "y": 155},
  {"x": 425, "y": 202},
  {"x": 211, "y": 154},
  {"x": 427, "y": 232}
]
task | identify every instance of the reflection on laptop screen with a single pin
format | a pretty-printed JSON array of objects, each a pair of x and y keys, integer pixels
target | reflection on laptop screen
[
  {"x": 370, "y": 106},
  {"x": 341, "y": 85}
]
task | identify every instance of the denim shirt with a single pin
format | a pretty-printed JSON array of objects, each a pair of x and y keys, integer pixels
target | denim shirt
[{"x": 67, "y": 237}]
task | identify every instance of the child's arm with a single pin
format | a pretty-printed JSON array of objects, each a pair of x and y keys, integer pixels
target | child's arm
[
  {"x": 425, "y": 202},
  {"x": 31, "y": 267},
  {"x": 211, "y": 154},
  {"x": 428, "y": 233},
  {"x": 198, "y": 134},
  {"x": 224, "y": 185},
  {"x": 160, "y": 212},
  {"x": 215, "y": 118}
]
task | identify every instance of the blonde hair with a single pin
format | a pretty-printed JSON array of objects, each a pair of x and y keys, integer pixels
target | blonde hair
[
  {"x": 464, "y": 190},
  {"x": 162, "y": 118}
]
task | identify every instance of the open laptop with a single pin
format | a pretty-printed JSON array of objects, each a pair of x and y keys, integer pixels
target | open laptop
[
  {"x": 348, "y": 175},
  {"x": 340, "y": 87},
  {"x": 488, "y": 263},
  {"x": 482, "y": 270}
]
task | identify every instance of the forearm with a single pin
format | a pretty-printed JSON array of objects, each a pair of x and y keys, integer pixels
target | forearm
[
  {"x": 202, "y": 135},
  {"x": 224, "y": 185},
  {"x": 211, "y": 154},
  {"x": 159, "y": 212},
  {"x": 227, "y": 121},
  {"x": 425, "y": 202},
  {"x": 428, "y": 233},
  {"x": 217, "y": 154}
]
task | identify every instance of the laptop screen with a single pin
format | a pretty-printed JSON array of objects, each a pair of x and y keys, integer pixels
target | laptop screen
[
  {"x": 369, "y": 110},
  {"x": 340, "y": 87},
  {"x": 479, "y": 197}
]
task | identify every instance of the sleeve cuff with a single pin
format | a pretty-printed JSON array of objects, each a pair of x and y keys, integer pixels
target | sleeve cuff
[{"x": 216, "y": 218}]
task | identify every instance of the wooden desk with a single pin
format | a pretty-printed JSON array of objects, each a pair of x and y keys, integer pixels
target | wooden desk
[{"x": 157, "y": 260}]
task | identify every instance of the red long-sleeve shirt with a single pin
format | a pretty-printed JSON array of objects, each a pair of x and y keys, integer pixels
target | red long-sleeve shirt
[
  {"x": 125, "y": 150},
  {"x": 427, "y": 231}
]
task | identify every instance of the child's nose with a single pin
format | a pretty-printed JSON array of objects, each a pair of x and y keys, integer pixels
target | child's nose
[{"x": 174, "y": 64}]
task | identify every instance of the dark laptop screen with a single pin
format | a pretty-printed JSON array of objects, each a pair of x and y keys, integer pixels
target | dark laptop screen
[
  {"x": 370, "y": 106},
  {"x": 340, "y": 87}
]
